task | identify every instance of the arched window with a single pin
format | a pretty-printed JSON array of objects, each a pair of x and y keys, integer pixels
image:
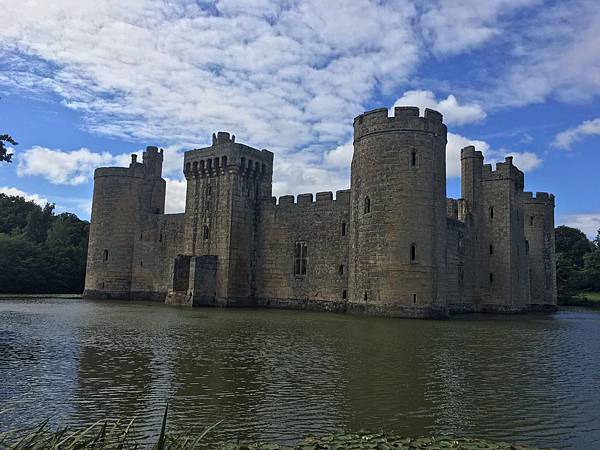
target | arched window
[
  {"x": 206, "y": 232},
  {"x": 367, "y": 205},
  {"x": 491, "y": 212},
  {"x": 530, "y": 221},
  {"x": 188, "y": 166},
  {"x": 491, "y": 249},
  {"x": 195, "y": 166},
  {"x": 209, "y": 164},
  {"x": 341, "y": 269},
  {"x": 224, "y": 160},
  {"x": 344, "y": 294},
  {"x": 413, "y": 158},
  {"x": 343, "y": 228},
  {"x": 216, "y": 163},
  {"x": 413, "y": 252},
  {"x": 105, "y": 255},
  {"x": 300, "y": 258},
  {"x": 201, "y": 165}
]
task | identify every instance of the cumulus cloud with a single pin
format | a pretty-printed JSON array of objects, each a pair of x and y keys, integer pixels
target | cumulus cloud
[
  {"x": 36, "y": 198},
  {"x": 565, "y": 139},
  {"x": 454, "y": 113},
  {"x": 588, "y": 223},
  {"x": 77, "y": 167},
  {"x": 341, "y": 156},
  {"x": 65, "y": 167}
]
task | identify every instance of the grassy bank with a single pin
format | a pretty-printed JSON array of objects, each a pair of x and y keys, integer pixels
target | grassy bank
[
  {"x": 117, "y": 436},
  {"x": 590, "y": 299}
]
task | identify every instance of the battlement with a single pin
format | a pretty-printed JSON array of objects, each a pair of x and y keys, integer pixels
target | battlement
[
  {"x": 227, "y": 156},
  {"x": 504, "y": 170},
  {"x": 323, "y": 199},
  {"x": 470, "y": 152},
  {"x": 405, "y": 118},
  {"x": 541, "y": 198}
]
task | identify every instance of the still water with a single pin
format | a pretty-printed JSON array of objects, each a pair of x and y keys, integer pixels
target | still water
[{"x": 280, "y": 375}]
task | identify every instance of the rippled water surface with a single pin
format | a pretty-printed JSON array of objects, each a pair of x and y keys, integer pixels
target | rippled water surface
[{"x": 280, "y": 375}]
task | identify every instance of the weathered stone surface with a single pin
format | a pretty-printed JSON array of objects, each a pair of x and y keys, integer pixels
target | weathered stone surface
[{"x": 391, "y": 245}]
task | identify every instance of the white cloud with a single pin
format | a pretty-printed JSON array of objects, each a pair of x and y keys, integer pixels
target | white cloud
[
  {"x": 588, "y": 223},
  {"x": 77, "y": 166},
  {"x": 341, "y": 156},
  {"x": 65, "y": 167},
  {"x": 36, "y": 198},
  {"x": 453, "y": 27},
  {"x": 565, "y": 139},
  {"x": 454, "y": 113},
  {"x": 175, "y": 201}
]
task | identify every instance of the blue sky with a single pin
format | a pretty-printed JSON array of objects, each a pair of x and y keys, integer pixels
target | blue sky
[{"x": 84, "y": 84}]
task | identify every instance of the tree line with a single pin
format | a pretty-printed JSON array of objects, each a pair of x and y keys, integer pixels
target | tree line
[
  {"x": 577, "y": 263},
  {"x": 40, "y": 251}
]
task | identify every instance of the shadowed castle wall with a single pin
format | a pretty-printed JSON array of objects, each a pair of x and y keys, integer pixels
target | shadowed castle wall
[{"x": 323, "y": 226}]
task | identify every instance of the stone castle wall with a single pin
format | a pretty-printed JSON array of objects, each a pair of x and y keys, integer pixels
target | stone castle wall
[{"x": 392, "y": 245}]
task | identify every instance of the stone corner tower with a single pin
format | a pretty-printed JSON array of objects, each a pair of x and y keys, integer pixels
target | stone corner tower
[
  {"x": 397, "y": 263},
  {"x": 124, "y": 199}
]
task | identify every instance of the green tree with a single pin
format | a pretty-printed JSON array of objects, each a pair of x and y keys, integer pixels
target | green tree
[
  {"x": 573, "y": 244},
  {"x": 13, "y": 213},
  {"x": 4, "y": 155},
  {"x": 38, "y": 222}
]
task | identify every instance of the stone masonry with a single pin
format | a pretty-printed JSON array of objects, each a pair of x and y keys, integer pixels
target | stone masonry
[{"x": 392, "y": 244}]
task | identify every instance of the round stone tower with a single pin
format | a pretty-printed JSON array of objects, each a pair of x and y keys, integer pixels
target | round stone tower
[
  {"x": 123, "y": 198},
  {"x": 397, "y": 261}
]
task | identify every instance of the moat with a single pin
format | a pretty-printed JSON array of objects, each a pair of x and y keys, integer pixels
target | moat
[{"x": 280, "y": 375}]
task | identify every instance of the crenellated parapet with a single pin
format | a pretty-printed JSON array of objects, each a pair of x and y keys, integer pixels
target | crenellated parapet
[
  {"x": 226, "y": 156},
  {"x": 321, "y": 200},
  {"x": 405, "y": 118},
  {"x": 539, "y": 198}
]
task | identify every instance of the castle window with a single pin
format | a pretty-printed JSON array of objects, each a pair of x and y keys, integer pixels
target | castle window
[
  {"x": 343, "y": 228},
  {"x": 526, "y": 247},
  {"x": 141, "y": 263},
  {"x": 249, "y": 164},
  {"x": 102, "y": 285},
  {"x": 216, "y": 163},
  {"x": 413, "y": 158},
  {"x": 413, "y": 252},
  {"x": 209, "y": 164},
  {"x": 157, "y": 211},
  {"x": 160, "y": 237},
  {"x": 530, "y": 221},
  {"x": 195, "y": 166},
  {"x": 105, "y": 255},
  {"x": 341, "y": 269},
  {"x": 414, "y": 299},
  {"x": 243, "y": 164},
  {"x": 365, "y": 297},
  {"x": 367, "y": 208},
  {"x": 491, "y": 278},
  {"x": 263, "y": 168},
  {"x": 201, "y": 165},
  {"x": 224, "y": 160},
  {"x": 300, "y": 258},
  {"x": 188, "y": 166},
  {"x": 491, "y": 212},
  {"x": 491, "y": 249},
  {"x": 141, "y": 236},
  {"x": 344, "y": 294},
  {"x": 206, "y": 232},
  {"x": 208, "y": 190}
]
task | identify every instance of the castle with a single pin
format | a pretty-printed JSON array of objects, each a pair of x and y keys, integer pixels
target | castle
[{"x": 392, "y": 244}]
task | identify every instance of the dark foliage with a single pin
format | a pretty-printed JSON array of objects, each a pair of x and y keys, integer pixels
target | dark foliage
[
  {"x": 4, "y": 155},
  {"x": 577, "y": 264},
  {"x": 40, "y": 252}
]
